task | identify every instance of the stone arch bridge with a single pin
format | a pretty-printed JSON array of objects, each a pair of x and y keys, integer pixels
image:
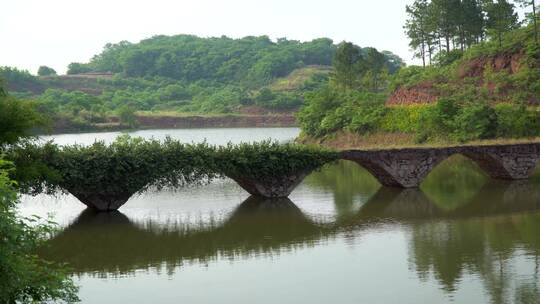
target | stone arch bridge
[
  {"x": 408, "y": 167},
  {"x": 404, "y": 168}
]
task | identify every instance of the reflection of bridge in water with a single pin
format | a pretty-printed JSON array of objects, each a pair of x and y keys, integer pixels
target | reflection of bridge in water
[{"x": 112, "y": 243}]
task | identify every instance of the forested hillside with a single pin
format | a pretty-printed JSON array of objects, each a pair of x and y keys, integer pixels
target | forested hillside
[
  {"x": 480, "y": 79},
  {"x": 186, "y": 73}
]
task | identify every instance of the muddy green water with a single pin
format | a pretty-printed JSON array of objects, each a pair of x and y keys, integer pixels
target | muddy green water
[{"x": 341, "y": 238}]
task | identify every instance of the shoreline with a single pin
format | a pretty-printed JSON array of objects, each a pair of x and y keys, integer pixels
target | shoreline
[{"x": 149, "y": 122}]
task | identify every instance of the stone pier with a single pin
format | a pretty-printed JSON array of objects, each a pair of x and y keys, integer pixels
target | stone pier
[
  {"x": 277, "y": 187},
  {"x": 102, "y": 201}
]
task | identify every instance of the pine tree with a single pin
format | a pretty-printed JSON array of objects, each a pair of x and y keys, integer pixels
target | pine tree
[
  {"x": 532, "y": 4},
  {"x": 501, "y": 18}
]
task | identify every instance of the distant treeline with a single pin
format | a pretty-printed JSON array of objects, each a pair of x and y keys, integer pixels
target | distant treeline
[{"x": 251, "y": 61}]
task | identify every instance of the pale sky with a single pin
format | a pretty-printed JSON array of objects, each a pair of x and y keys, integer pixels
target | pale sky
[{"x": 58, "y": 32}]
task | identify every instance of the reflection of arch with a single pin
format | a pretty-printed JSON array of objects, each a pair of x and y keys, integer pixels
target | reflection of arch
[
  {"x": 110, "y": 242},
  {"x": 495, "y": 197}
]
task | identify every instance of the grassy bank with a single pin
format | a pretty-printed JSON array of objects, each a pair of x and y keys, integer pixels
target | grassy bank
[{"x": 351, "y": 141}]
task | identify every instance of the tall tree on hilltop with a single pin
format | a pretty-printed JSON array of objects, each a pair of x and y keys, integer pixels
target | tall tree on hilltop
[
  {"x": 445, "y": 12},
  {"x": 348, "y": 62},
  {"x": 474, "y": 22},
  {"x": 501, "y": 18},
  {"x": 532, "y": 4},
  {"x": 418, "y": 29}
]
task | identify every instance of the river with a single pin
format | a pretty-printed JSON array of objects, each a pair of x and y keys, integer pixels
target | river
[{"x": 341, "y": 238}]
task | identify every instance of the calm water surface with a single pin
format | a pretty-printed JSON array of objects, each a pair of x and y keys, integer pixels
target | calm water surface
[{"x": 341, "y": 238}]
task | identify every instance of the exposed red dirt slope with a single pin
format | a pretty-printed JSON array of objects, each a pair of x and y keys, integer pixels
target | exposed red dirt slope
[{"x": 426, "y": 92}]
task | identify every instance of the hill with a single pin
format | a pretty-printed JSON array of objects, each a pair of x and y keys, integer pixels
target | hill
[
  {"x": 185, "y": 74},
  {"x": 489, "y": 91}
]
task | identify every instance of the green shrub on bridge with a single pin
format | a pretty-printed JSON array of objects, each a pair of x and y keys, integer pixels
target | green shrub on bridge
[
  {"x": 128, "y": 165},
  {"x": 267, "y": 160}
]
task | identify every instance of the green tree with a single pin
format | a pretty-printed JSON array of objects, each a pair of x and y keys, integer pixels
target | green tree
[
  {"x": 418, "y": 29},
  {"x": 532, "y": 4},
  {"x": 501, "y": 18},
  {"x": 17, "y": 119},
  {"x": 127, "y": 116},
  {"x": 24, "y": 277},
  {"x": 46, "y": 71},
  {"x": 78, "y": 68},
  {"x": 348, "y": 64}
]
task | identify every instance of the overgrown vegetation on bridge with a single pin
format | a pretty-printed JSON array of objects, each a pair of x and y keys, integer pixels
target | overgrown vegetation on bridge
[
  {"x": 267, "y": 160},
  {"x": 128, "y": 165},
  {"x": 115, "y": 172}
]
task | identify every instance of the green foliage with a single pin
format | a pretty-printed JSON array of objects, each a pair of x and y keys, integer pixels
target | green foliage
[
  {"x": 444, "y": 58},
  {"x": 477, "y": 121},
  {"x": 403, "y": 119},
  {"x": 46, "y": 71},
  {"x": 24, "y": 277},
  {"x": 127, "y": 166},
  {"x": 186, "y": 73},
  {"x": 20, "y": 80},
  {"x": 437, "y": 28},
  {"x": 356, "y": 68},
  {"x": 266, "y": 160},
  {"x": 251, "y": 61},
  {"x": 78, "y": 68},
  {"x": 331, "y": 109},
  {"x": 501, "y": 18},
  {"x": 17, "y": 119},
  {"x": 126, "y": 114},
  {"x": 517, "y": 121},
  {"x": 460, "y": 118}
]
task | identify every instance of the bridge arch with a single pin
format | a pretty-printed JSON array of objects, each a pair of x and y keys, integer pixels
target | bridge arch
[{"x": 404, "y": 168}]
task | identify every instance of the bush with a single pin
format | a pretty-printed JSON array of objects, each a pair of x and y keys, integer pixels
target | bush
[
  {"x": 403, "y": 119},
  {"x": 517, "y": 121},
  {"x": 127, "y": 117},
  {"x": 367, "y": 117},
  {"x": 478, "y": 121}
]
